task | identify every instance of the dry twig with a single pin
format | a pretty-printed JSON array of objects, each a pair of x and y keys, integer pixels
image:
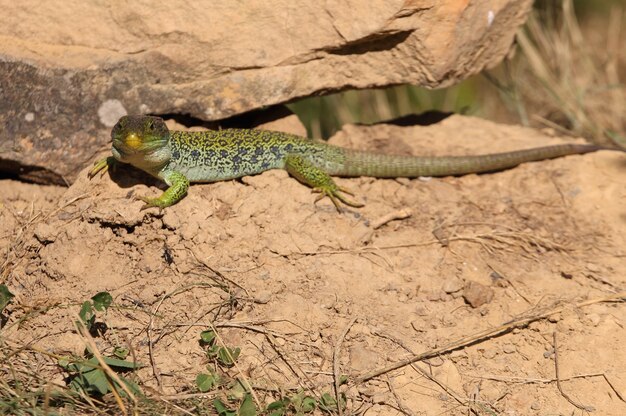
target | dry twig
[{"x": 558, "y": 379}]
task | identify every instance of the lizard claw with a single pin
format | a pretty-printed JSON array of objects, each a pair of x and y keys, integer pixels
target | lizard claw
[
  {"x": 101, "y": 166},
  {"x": 149, "y": 202},
  {"x": 334, "y": 193}
]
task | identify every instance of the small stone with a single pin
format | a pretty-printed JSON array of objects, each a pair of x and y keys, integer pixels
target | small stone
[
  {"x": 554, "y": 318},
  {"x": 489, "y": 353},
  {"x": 362, "y": 359},
  {"x": 65, "y": 216},
  {"x": 509, "y": 348},
  {"x": 421, "y": 310},
  {"x": 45, "y": 233},
  {"x": 368, "y": 391},
  {"x": 535, "y": 406},
  {"x": 419, "y": 326},
  {"x": 263, "y": 296},
  {"x": 171, "y": 220},
  {"x": 451, "y": 285},
  {"x": 594, "y": 318},
  {"x": 477, "y": 294},
  {"x": 189, "y": 230},
  {"x": 380, "y": 398},
  {"x": 435, "y": 296}
]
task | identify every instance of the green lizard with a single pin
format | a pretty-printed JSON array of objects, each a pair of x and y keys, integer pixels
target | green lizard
[{"x": 179, "y": 157}]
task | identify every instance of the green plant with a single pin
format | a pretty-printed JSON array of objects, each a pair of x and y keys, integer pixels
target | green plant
[
  {"x": 5, "y": 297},
  {"x": 88, "y": 376},
  {"x": 99, "y": 302},
  {"x": 225, "y": 356}
]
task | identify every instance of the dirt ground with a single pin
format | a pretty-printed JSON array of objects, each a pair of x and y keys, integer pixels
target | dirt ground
[{"x": 480, "y": 273}]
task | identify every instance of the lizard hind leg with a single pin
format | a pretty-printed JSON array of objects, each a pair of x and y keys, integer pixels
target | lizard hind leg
[{"x": 319, "y": 180}]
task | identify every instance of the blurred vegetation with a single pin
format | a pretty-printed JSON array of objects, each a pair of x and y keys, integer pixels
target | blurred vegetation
[{"x": 566, "y": 73}]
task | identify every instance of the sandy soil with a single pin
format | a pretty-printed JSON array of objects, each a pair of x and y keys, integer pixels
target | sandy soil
[{"x": 301, "y": 288}]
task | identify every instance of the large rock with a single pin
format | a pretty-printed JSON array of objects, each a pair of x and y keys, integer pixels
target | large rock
[{"x": 69, "y": 69}]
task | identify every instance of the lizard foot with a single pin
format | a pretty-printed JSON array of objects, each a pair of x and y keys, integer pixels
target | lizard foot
[
  {"x": 152, "y": 203},
  {"x": 334, "y": 193},
  {"x": 102, "y": 166}
]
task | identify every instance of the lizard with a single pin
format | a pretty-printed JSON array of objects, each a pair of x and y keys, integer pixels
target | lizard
[{"x": 181, "y": 157}]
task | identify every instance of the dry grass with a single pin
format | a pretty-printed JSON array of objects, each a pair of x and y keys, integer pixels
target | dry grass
[
  {"x": 566, "y": 79},
  {"x": 566, "y": 75}
]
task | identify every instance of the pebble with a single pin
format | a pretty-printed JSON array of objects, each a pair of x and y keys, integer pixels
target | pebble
[
  {"x": 594, "y": 318},
  {"x": 509, "y": 348},
  {"x": 263, "y": 296},
  {"x": 45, "y": 233},
  {"x": 477, "y": 294},
  {"x": 453, "y": 284}
]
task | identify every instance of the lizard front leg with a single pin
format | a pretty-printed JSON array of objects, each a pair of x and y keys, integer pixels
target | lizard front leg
[
  {"x": 178, "y": 185},
  {"x": 319, "y": 180},
  {"x": 102, "y": 166}
]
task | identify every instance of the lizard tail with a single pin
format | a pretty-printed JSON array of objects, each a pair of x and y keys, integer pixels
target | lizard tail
[{"x": 361, "y": 163}]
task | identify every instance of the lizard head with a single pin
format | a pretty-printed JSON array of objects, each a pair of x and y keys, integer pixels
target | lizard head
[{"x": 142, "y": 141}]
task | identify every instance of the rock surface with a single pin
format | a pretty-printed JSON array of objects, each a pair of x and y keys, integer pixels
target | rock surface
[{"x": 69, "y": 70}]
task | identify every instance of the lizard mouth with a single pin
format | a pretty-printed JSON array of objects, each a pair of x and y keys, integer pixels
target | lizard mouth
[{"x": 116, "y": 153}]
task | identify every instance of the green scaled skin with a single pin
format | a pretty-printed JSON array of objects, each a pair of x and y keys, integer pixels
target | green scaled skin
[{"x": 179, "y": 157}]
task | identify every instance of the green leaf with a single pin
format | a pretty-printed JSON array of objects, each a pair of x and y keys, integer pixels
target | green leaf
[
  {"x": 121, "y": 352},
  {"x": 102, "y": 301},
  {"x": 115, "y": 362},
  {"x": 79, "y": 385},
  {"x": 87, "y": 314},
  {"x": 88, "y": 376},
  {"x": 64, "y": 363},
  {"x": 96, "y": 379},
  {"x": 211, "y": 352},
  {"x": 247, "y": 408},
  {"x": 208, "y": 336},
  {"x": 308, "y": 404},
  {"x": 238, "y": 390},
  {"x": 278, "y": 404},
  {"x": 132, "y": 386},
  {"x": 328, "y": 403},
  {"x": 227, "y": 356},
  {"x": 206, "y": 382},
  {"x": 5, "y": 297},
  {"x": 222, "y": 410}
]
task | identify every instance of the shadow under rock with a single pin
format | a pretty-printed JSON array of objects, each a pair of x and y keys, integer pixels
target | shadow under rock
[{"x": 424, "y": 119}]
